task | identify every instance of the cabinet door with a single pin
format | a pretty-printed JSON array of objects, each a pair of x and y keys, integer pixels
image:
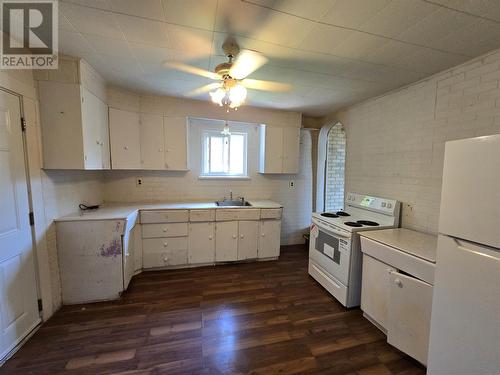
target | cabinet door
[
  {"x": 175, "y": 129},
  {"x": 102, "y": 108},
  {"x": 248, "y": 239},
  {"x": 375, "y": 290},
  {"x": 226, "y": 241},
  {"x": 409, "y": 315},
  {"x": 271, "y": 149},
  {"x": 91, "y": 128},
  {"x": 124, "y": 139},
  {"x": 128, "y": 256},
  {"x": 291, "y": 145},
  {"x": 152, "y": 153},
  {"x": 61, "y": 119},
  {"x": 201, "y": 248},
  {"x": 269, "y": 238}
]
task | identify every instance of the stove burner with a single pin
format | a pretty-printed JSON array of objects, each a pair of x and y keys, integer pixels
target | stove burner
[
  {"x": 342, "y": 213},
  {"x": 368, "y": 222},
  {"x": 353, "y": 224},
  {"x": 329, "y": 214}
]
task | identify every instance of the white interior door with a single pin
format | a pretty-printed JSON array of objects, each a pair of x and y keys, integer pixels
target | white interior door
[
  {"x": 18, "y": 291},
  {"x": 152, "y": 153},
  {"x": 248, "y": 239}
]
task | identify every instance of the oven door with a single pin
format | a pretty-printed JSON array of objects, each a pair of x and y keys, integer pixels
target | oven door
[{"x": 331, "y": 249}]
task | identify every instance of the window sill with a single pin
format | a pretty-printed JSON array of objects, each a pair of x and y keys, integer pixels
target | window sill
[{"x": 223, "y": 178}]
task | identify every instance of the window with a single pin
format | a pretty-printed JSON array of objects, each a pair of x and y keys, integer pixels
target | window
[{"x": 224, "y": 156}]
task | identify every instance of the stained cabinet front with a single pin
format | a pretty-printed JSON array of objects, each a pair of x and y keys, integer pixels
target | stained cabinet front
[
  {"x": 201, "y": 242},
  {"x": 226, "y": 245},
  {"x": 248, "y": 239},
  {"x": 125, "y": 144}
]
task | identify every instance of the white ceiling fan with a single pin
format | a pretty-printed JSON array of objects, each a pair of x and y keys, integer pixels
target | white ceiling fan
[{"x": 230, "y": 90}]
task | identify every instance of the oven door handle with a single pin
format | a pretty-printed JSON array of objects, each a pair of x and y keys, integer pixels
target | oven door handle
[{"x": 331, "y": 231}]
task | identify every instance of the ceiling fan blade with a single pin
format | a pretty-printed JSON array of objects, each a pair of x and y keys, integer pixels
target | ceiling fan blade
[
  {"x": 191, "y": 69},
  {"x": 266, "y": 85},
  {"x": 246, "y": 63},
  {"x": 203, "y": 89}
]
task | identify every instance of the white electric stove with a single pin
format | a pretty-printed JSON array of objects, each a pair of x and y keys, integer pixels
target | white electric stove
[{"x": 334, "y": 247}]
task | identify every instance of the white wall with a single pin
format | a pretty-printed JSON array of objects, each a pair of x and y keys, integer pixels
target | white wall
[
  {"x": 120, "y": 186},
  {"x": 395, "y": 143}
]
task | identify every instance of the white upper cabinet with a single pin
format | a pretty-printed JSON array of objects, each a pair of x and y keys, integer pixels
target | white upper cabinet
[
  {"x": 147, "y": 141},
  {"x": 176, "y": 151},
  {"x": 151, "y": 136},
  {"x": 74, "y": 127},
  {"x": 279, "y": 149},
  {"x": 124, "y": 129}
]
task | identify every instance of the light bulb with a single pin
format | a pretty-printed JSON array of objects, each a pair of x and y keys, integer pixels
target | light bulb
[
  {"x": 237, "y": 95},
  {"x": 217, "y": 96}
]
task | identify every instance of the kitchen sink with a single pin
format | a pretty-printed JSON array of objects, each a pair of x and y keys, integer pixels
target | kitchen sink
[{"x": 233, "y": 203}]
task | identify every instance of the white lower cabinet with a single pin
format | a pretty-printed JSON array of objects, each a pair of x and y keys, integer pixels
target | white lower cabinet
[
  {"x": 269, "y": 238},
  {"x": 409, "y": 320},
  {"x": 226, "y": 244},
  {"x": 201, "y": 247},
  {"x": 164, "y": 252},
  {"x": 248, "y": 239},
  {"x": 376, "y": 290}
]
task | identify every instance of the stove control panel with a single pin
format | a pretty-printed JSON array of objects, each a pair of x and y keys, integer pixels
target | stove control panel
[{"x": 382, "y": 205}]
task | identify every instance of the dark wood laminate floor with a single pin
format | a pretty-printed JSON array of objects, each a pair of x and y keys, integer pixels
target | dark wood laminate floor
[{"x": 259, "y": 318}]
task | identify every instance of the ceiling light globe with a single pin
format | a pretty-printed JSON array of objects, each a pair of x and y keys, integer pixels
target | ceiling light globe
[
  {"x": 237, "y": 95},
  {"x": 217, "y": 96}
]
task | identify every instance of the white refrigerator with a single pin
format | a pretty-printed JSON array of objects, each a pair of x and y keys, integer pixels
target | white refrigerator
[{"x": 465, "y": 322}]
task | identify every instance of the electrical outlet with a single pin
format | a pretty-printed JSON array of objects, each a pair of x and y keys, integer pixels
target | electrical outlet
[
  {"x": 291, "y": 184},
  {"x": 138, "y": 181}
]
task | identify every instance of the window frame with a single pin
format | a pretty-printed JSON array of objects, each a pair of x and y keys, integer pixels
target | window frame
[{"x": 205, "y": 153}]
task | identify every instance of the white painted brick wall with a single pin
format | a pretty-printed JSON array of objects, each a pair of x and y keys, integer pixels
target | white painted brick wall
[{"x": 395, "y": 143}]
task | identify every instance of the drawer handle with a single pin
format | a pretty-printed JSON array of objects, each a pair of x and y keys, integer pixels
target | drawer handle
[
  {"x": 398, "y": 282},
  {"x": 263, "y": 234},
  {"x": 166, "y": 216},
  {"x": 165, "y": 244},
  {"x": 242, "y": 236},
  {"x": 125, "y": 147},
  {"x": 165, "y": 259},
  {"x": 165, "y": 230},
  {"x": 210, "y": 237},
  {"x": 235, "y": 236}
]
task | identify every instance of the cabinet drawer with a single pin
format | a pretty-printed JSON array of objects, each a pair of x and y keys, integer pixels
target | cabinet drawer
[
  {"x": 164, "y": 216},
  {"x": 164, "y": 230},
  {"x": 270, "y": 213},
  {"x": 230, "y": 214},
  {"x": 201, "y": 215},
  {"x": 163, "y": 252}
]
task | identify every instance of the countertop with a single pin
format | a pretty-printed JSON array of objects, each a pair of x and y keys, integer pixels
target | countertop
[
  {"x": 419, "y": 244},
  {"x": 117, "y": 211}
]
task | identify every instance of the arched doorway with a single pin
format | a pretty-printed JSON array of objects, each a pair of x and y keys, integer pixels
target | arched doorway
[{"x": 331, "y": 168}]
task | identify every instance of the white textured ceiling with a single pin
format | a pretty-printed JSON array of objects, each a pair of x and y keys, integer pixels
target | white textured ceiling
[{"x": 334, "y": 52}]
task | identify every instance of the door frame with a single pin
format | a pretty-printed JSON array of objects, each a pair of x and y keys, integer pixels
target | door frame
[{"x": 32, "y": 227}]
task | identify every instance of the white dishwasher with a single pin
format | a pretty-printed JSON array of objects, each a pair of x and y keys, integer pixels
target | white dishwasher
[{"x": 397, "y": 286}]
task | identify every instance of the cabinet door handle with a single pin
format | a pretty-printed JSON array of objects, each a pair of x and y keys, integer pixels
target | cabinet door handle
[
  {"x": 125, "y": 147},
  {"x": 263, "y": 234},
  {"x": 235, "y": 236},
  {"x": 165, "y": 244},
  {"x": 398, "y": 282},
  {"x": 242, "y": 236},
  {"x": 210, "y": 237},
  {"x": 165, "y": 259}
]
